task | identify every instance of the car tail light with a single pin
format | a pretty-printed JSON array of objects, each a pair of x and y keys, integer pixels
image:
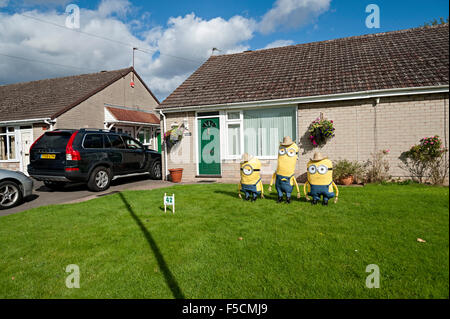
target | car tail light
[
  {"x": 71, "y": 154},
  {"x": 72, "y": 169}
]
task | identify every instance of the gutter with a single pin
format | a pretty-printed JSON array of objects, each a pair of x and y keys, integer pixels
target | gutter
[
  {"x": 316, "y": 99},
  {"x": 28, "y": 121},
  {"x": 133, "y": 123},
  {"x": 165, "y": 145}
]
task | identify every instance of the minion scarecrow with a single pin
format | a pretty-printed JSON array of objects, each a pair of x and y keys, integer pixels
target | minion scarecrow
[
  {"x": 251, "y": 183},
  {"x": 284, "y": 176},
  {"x": 320, "y": 180}
]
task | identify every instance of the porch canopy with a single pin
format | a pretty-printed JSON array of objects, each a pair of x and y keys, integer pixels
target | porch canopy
[{"x": 142, "y": 125}]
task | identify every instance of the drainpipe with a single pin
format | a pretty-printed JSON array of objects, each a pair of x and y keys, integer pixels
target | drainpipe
[
  {"x": 165, "y": 145},
  {"x": 51, "y": 123}
]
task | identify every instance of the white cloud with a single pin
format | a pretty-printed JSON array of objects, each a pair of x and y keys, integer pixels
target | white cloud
[
  {"x": 292, "y": 14},
  {"x": 110, "y": 7},
  {"x": 279, "y": 43},
  {"x": 189, "y": 37}
]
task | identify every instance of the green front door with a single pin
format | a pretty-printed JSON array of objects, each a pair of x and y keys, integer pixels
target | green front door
[{"x": 209, "y": 146}]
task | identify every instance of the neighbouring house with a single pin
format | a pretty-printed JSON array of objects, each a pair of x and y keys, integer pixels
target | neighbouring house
[
  {"x": 383, "y": 91},
  {"x": 116, "y": 100}
]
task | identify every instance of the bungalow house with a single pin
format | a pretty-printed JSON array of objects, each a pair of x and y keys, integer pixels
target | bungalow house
[
  {"x": 383, "y": 91},
  {"x": 116, "y": 100}
]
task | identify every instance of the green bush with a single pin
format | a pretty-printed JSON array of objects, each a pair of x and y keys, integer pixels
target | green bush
[
  {"x": 345, "y": 168},
  {"x": 426, "y": 159},
  {"x": 377, "y": 168}
]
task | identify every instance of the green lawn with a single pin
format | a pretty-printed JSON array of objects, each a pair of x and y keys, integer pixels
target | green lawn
[{"x": 126, "y": 247}]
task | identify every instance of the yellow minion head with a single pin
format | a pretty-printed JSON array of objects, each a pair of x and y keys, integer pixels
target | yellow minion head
[
  {"x": 250, "y": 170},
  {"x": 320, "y": 170},
  {"x": 287, "y": 157}
]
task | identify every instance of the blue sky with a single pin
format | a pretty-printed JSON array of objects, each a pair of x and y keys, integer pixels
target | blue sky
[{"x": 199, "y": 25}]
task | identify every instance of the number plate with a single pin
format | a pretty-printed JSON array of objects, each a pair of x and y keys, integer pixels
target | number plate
[{"x": 48, "y": 156}]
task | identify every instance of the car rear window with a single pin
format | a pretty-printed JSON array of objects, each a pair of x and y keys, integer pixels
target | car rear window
[
  {"x": 93, "y": 141},
  {"x": 54, "y": 140}
]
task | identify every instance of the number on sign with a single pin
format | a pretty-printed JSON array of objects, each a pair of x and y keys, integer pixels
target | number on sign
[{"x": 169, "y": 201}]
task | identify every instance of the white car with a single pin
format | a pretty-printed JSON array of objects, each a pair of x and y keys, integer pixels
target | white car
[{"x": 14, "y": 187}]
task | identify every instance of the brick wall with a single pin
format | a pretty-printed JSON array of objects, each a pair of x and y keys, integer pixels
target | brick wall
[
  {"x": 362, "y": 127},
  {"x": 91, "y": 114},
  {"x": 13, "y": 166}
]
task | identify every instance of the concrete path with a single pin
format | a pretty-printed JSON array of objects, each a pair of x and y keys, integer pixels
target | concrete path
[{"x": 75, "y": 193}]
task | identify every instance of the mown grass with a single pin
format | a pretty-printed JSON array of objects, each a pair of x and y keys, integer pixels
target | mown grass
[{"x": 126, "y": 247}]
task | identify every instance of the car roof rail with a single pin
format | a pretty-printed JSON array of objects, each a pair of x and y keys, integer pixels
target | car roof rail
[{"x": 93, "y": 130}]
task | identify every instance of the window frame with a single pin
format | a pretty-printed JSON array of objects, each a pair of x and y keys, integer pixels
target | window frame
[
  {"x": 15, "y": 133},
  {"x": 240, "y": 121}
]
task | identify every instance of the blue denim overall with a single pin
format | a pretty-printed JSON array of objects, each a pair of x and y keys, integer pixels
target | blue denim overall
[
  {"x": 283, "y": 185},
  {"x": 321, "y": 190},
  {"x": 251, "y": 190}
]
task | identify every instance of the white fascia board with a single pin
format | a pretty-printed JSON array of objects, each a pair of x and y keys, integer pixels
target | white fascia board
[
  {"x": 132, "y": 123},
  {"x": 315, "y": 99},
  {"x": 27, "y": 121}
]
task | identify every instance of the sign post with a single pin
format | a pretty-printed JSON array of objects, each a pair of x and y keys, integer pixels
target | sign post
[{"x": 169, "y": 201}]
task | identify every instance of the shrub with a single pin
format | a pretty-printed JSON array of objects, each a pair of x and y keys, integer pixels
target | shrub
[
  {"x": 345, "y": 168},
  {"x": 377, "y": 167},
  {"x": 426, "y": 159}
]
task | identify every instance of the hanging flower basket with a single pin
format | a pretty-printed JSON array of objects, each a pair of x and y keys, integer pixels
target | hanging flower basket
[
  {"x": 173, "y": 136},
  {"x": 320, "y": 131}
]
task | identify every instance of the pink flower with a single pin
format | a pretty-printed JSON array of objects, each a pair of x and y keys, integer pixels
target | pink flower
[{"x": 432, "y": 143}]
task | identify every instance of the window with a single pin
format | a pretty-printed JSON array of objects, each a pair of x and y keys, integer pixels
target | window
[
  {"x": 93, "y": 141},
  {"x": 234, "y": 139},
  {"x": 233, "y": 115},
  {"x": 7, "y": 144},
  {"x": 116, "y": 141},
  {"x": 54, "y": 140},
  {"x": 132, "y": 144},
  {"x": 144, "y": 136},
  {"x": 264, "y": 129}
]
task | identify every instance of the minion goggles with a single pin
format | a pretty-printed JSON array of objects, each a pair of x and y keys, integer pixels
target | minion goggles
[
  {"x": 289, "y": 151},
  {"x": 322, "y": 169},
  {"x": 248, "y": 170}
]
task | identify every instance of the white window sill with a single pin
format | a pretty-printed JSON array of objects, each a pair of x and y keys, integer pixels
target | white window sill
[
  {"x": 230, "y": 158},
  {"x": 10, "y": 161}
]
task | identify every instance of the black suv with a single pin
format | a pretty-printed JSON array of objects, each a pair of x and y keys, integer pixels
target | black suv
[{"x": 91, "y": 156}]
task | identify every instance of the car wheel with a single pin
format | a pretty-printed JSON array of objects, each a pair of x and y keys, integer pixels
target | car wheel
[
  {"x": 100, "y": 179},
  {"x": 155, "y": 170},
  {"x": 10, "y": 194},
  {"x": 54, "y": 185}
]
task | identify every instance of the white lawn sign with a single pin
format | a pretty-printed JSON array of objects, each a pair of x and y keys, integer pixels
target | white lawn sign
[{"x": 169, "y": 201}]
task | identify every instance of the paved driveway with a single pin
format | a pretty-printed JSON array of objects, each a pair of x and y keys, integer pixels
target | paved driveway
[{"x": 43, "y": 196}]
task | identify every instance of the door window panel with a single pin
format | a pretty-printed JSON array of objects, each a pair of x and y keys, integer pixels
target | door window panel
[
  {"x": 132, "y": 144},
  {"x": 116, "y": 141}
]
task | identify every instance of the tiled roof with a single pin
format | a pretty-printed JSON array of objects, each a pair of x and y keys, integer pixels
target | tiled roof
[
  {"x": 124, "y": 115},
  {"x": 50, "y": 97},
  {"x": 400, "y": 59}
]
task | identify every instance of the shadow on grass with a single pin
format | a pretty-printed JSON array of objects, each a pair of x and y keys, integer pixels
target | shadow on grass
[
  {"x": 273, "y": 196},
  {"x": 168, "y": 276}
]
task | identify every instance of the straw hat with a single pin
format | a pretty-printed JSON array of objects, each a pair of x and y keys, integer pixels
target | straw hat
[
  {"x": 318, "y": 157},
  {"x": 287, "y": 141},
  {"x": 246, "y": 157}
]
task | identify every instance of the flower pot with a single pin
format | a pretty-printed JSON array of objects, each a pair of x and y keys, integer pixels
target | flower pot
[
  {"x": 176, "y": 174},
  {"x": 346, "y": 180}
]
